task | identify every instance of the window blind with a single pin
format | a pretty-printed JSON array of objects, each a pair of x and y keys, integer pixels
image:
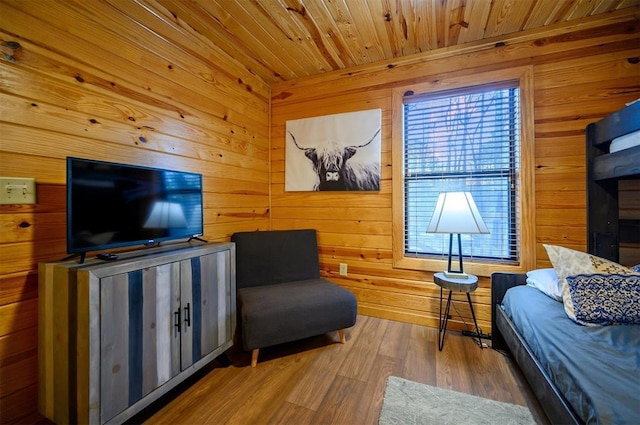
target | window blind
[{"x": 463, "y": 140}]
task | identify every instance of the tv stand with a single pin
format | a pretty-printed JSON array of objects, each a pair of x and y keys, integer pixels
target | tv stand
[{"x": 115, "y": 336}]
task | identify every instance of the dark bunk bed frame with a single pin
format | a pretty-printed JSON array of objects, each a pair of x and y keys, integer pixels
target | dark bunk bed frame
[{"x": 604, "y": 234}]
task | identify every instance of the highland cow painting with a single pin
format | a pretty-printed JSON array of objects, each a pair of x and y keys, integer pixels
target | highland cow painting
[{"x": 338, "y": 152}]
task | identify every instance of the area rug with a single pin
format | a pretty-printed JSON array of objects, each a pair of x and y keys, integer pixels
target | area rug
[{"x": 411, "y": 403}]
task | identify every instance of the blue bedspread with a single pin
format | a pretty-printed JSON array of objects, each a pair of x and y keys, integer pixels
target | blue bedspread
[{"x": 597, "y": 369}]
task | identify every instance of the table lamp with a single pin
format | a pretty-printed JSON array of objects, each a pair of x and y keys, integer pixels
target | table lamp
[{"x": 456, "y": 212}]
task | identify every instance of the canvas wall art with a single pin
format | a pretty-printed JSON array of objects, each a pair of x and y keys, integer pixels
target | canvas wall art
[{"x": 337, "y": 152}]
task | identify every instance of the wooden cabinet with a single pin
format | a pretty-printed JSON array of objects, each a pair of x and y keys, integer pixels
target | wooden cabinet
[{"x": 113, "y": 337}]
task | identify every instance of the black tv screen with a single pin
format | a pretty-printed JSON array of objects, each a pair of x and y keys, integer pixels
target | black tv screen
[{"x": 113, "y": 205}]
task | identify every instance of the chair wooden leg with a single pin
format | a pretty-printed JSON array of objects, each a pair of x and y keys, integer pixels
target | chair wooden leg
[
  {"x": 343, "y": 340},
  {"x": 254, "y": 357}
]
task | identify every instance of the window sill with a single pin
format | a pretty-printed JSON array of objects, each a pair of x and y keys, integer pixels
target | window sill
[{"x": 477, "y": 268}]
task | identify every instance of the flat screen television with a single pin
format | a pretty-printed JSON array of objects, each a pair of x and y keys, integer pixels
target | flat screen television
[{"x": 112, "y": 205}]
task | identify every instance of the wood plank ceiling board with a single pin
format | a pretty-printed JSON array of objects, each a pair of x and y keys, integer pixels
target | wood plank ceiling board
[
  {"x": 321, "y": 33},
  {"x": 389, "y": 28},
  {"x": 356, "y": 24},
  {"x": 306, "y": 37},
  {"x": 580, "y": 9},
  {"x": 507, "y": 16},
  {"x": 619, "y": 4},
  {"x": 281, "y": 40},
  {"x": 194, "y": 17},
  {"x": 413, "y": 27},
  {"x": 475, "y": 17},
  {"x": 425, "y": 33},
  {"x": 376, "y": 42},
  {"x": 410, "y": 17},
  {"x": 257, "y": 33},
  {"x": 543, "y": 13},
  {"x": 264, "y": 33}
]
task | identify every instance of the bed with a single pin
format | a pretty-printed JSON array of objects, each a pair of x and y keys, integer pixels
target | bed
[{"x": 580, "y": 374}]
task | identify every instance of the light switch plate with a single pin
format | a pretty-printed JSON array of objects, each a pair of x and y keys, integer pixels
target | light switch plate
[
  {"x": 17, "y": 190},
  {"x": 343, "y": 269}
]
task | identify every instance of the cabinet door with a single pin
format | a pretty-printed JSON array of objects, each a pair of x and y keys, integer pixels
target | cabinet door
[
  {"x": 206, "y": 304},
  {"x": 139, "y": 344}
]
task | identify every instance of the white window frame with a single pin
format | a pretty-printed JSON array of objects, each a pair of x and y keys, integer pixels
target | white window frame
[{"x": 526, "y": 177}]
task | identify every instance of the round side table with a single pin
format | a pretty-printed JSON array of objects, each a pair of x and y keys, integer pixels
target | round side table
[{"x": 466, "y": 284}]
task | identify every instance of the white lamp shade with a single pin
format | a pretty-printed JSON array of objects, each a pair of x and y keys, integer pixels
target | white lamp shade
[{"x": 456, "y": 212}]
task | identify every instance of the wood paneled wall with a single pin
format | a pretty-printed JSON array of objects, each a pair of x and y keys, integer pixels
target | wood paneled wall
[
  {"x": 119, "y": 82},
  {"x": 112, "y": 82},
  {"x": 581, "y": 74}
]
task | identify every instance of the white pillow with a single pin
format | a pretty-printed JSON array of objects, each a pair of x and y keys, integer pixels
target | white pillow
[{"x": 546, "y": 280}]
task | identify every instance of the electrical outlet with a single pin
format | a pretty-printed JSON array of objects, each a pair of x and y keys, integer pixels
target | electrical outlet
[
  {"x": 343, "y": 269},
  {"x": 17, "y": 190}
]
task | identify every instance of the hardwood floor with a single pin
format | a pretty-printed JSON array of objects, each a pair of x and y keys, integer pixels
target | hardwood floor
[{"x": 320, "y": 381}]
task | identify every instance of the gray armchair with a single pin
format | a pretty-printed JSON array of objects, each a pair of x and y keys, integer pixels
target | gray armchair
[{"x": 280, "y": 294}]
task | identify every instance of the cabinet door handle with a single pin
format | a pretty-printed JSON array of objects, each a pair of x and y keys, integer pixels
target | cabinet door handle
[
  {"x": 187, "y": 314},
  {"x": 176, "y": 319}
]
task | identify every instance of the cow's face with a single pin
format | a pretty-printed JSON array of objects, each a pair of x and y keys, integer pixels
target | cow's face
[{"x": 329, "y": 165}]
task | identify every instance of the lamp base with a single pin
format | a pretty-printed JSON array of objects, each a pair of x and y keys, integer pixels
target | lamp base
[{"x": 456, "y": 275}]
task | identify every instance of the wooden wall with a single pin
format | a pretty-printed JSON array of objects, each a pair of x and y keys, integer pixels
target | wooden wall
[
  {"x": 581, "y": 74},
  {"x": 116, "y": 83}
]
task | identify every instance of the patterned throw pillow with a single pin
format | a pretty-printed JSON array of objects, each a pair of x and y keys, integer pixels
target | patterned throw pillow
[
  {"x": 605, "y": 299},
  {"x": 568, "y": 262}
]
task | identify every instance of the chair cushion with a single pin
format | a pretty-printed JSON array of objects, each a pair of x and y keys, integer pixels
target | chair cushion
[{"x": 290, "y": 311}]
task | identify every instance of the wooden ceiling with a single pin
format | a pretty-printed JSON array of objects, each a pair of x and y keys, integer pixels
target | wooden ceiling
[{"x": 281, "y": 40}]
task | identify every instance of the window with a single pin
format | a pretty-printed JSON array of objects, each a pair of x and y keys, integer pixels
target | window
[
  {"x": 467, "y": 138},
  {"x": 463, "y": 141}
]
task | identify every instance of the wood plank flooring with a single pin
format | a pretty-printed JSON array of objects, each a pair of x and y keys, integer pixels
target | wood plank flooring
[{"x": 320, "y": 381}]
